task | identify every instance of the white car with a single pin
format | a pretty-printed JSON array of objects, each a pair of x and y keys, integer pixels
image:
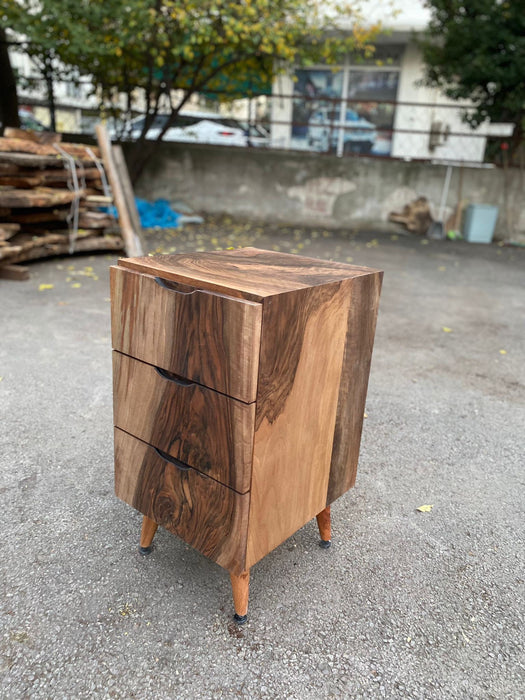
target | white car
[
  {"x": 359, "y": 135},
  {"x": 192, "y": 127}
]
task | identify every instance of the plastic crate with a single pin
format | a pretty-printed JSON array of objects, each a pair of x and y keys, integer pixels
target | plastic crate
[{"x": 480, "y": 222}]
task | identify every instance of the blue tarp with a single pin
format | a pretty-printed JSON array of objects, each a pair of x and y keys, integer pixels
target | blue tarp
[{"x": 157, "y": 214}]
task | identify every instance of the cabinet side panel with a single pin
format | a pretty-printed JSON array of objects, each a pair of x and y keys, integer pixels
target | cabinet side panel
[
  {"x": 300, "y": 365},
  {"x": 354, "y": 383}
]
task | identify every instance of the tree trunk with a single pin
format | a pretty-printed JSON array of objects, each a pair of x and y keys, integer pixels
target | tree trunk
[
  {"x": 48, "y": 77},
  {"x": 8, "y": 97},
  {"x": 139, "y": 155}
]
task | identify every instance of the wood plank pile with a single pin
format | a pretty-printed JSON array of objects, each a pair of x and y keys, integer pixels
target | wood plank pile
[{"x": 50, "y": 198}]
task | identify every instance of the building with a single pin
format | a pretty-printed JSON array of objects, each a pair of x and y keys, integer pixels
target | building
[{"x": 378, "y": 107}]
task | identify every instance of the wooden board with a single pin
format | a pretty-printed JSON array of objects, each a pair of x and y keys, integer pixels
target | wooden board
[
  {"x": 17, "y": 145},
  {"x": 130, "y": 235},
  {"x": 14, "y": 272},
  {"x": 300, "y": 367},
  {"x": 39, "y": 197},
  {"x": 209, "y": 431},
  {"x": 86, "y": 245},
  {"x": 30, "y": 135},
  {"x": 208, "y": 338},
  {"x": 205, "y": 514},
  {"x": 360, "y": 333},
  {"x": 248, "y": 273}
]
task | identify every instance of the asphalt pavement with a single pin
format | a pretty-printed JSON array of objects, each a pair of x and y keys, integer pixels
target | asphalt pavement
[{"x": 406, "y": 604}]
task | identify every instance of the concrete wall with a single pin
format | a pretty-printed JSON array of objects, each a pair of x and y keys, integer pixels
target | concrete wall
[{"x": 295, "y": 187}]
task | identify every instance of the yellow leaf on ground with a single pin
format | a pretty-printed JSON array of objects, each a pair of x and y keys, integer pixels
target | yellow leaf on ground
[
  {"x": 42, "y": 287},
  {"x": 447, "y": 330},
  {"x": 1, "y": 379},
  {"x": 76, "y": 285},
  {"x": 425, "y": 509},
  {"x": 502, "y": 352}
]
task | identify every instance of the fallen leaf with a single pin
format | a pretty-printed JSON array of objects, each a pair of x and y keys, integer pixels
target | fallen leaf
[
  {"x": 349, "y": 260},
  {"x": 1, "y": 379},
  {"x": 447, "y": 330},
  {"x": 425, "y": 509},
  {"x": 395, "y": 237},
  {"x": 502, "y": 352},
  {"x": 76, "y": 285},
  {"x": 43, "y": 287},
  {"x": 424, "y": 242},
  {"x": 365, "y": 415},
  {"x": 442, "y": 268}
]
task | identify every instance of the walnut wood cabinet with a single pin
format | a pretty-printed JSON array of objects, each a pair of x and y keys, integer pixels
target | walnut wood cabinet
[{"x": 240, "y": 380}]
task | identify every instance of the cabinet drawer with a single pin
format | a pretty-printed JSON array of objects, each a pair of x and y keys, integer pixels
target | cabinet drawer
[
  {"x": 207, "y": 515},
  {"x": 201, "y": 427},
  {"x": 199, "y": 335}
]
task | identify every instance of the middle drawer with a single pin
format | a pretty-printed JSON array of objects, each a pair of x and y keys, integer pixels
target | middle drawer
[{"x": 209, "y": 431}]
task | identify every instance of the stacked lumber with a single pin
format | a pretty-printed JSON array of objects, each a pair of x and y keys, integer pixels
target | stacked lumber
[{"x": 51, "y": 194}]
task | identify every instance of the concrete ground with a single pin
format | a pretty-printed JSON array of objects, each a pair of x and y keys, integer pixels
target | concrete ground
[{"x": 406, "y": 604}]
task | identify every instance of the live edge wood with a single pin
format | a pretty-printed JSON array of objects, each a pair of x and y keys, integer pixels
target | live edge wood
[{"x": 201, "y": 427}]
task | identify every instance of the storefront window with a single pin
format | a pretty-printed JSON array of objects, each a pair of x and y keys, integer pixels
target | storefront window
[{"x": 348, "y": 110}]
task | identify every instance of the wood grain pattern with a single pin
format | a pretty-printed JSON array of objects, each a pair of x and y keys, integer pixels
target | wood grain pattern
[
  {"x": 205, "y": 514},
  {"x": 201, "y": 427},
  {"x": 211, "y": 339},
  {"x": 300, "y": 366},
  {"x": 361, "y": 326},
  {"x": 247, "y": 273}
]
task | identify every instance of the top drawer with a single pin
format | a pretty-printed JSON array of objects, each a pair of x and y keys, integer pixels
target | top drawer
[{"x": 206, "y": 337}]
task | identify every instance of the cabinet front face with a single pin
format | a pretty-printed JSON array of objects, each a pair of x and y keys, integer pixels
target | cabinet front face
[
  {"x": 205, "y": 429},
  {"x": 198, "y": 335},
  {"x": 205, "y": 514}
]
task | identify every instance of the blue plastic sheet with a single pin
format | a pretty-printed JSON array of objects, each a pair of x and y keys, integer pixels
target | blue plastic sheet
[{"x": 157, "y": 214}]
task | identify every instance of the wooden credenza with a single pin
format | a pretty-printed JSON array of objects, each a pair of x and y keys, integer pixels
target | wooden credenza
[{"x": 240, "y": 380}]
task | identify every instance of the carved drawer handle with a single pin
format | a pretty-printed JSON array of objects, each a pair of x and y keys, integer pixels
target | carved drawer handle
[
  {"x": 172, "y": 460},
  {"x": 171, "y": 377},
  {"x": 166, "y": 285}
]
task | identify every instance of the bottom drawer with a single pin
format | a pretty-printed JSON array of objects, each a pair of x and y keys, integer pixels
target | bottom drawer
[{"x": 207, "y": 515}]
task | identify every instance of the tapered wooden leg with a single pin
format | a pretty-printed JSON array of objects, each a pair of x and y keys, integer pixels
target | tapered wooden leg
[
  {"x": 149, "y": 528},
  {"x": 325, "y": 529},
  {"x": 241, "y": 591}
]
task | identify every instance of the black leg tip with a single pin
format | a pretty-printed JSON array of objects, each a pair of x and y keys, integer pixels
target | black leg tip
[
  {"x": 240, "y": 619},
  {"x": 146, "y": 550},
  {"x": 325, "y": 544}
]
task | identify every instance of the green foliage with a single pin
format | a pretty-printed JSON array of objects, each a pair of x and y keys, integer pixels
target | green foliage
[
  {"x": 475, "y": 51},
  {"x": 184, "y": 45}
]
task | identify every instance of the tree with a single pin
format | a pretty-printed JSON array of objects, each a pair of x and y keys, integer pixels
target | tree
[
  {"x": 475, "y": 50},
  {"x": 8, "y": 97},
  {"x": 172, "y": 49}
]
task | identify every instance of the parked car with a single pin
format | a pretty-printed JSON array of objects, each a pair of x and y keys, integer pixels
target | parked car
[
  {"x": 28, "y": 121},
  {"x": 190, "y": 127},
  {"x": 359, "y": 135}
]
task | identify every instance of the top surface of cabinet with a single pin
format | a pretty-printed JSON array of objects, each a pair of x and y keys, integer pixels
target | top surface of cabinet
[{"x": 249, "y": 273}]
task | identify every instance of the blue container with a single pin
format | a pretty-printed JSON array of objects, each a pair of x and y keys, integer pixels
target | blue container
[{"x": 480, "y": 222}]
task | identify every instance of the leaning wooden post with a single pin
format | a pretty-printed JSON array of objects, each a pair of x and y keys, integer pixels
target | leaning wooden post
[{"x": 130, "y": 236}]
